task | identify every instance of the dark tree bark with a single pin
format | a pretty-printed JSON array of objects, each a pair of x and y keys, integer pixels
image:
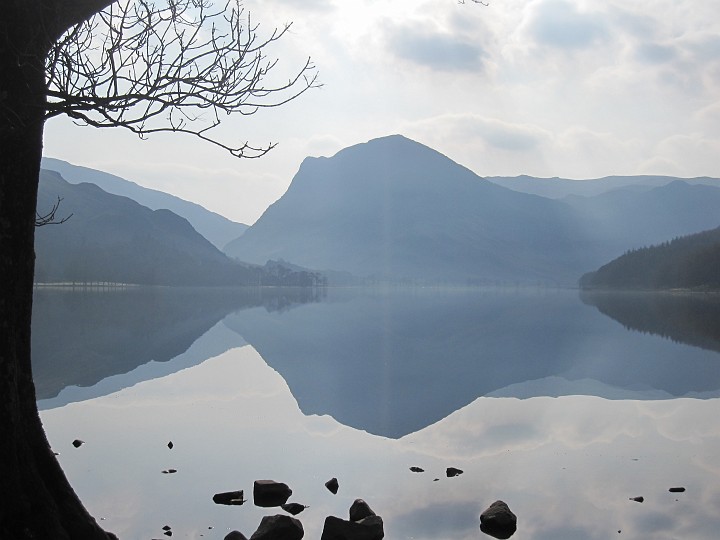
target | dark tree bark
[{"x": 37, "y": 500}]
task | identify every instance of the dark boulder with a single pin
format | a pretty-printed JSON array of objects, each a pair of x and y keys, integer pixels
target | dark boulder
[
  {"x": 498, "y": 521},
  {"x": 452, "y": 471},
  {"x": 234, "y": 535},
  {"x": 77, "y": 443},
  {"x": 638, "y": 499},
  {"x": 293, "y": 508},
  {"x": 279, "y": 527},
  {"x": 229, "y": 497},
  {"x": 369, "y": 528},
  {"x": 677, "y": 490},
  {"x": 332, "y": 485},
  {"x": 360, "y": 510},
  {"x": 267, "y": 493},
  {"x": 417, "y": 469}
]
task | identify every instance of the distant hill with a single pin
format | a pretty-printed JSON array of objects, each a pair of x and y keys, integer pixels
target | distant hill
[
  {"x": 557, "y": 188},
  {"x": 216, "y": 228},
  {"x": 689, "y": 262},
  {"x": 395, "y": 209},
  {"x": 112, "y": 238}
]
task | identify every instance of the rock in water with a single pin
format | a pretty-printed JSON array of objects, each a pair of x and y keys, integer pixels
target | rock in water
[
  {"x": 498, "y": 521},
  {"x": 452, "y": 471},
  {"x": 677, "y": 490},
  {"x": 360, "y": 510},
  {"x": 293, "y": 508},
  {"x": 332, "y": 485},
  {"x": 234, "y": 535},
  {"x": 279, "y": 527},
  {"x": 370, "y": 528},
  {"x": 267, "y": 493},
  {"x": 77, "y": 443},
  {"x": 229, "y": 497},
  {"x": 417, "y": 469}
]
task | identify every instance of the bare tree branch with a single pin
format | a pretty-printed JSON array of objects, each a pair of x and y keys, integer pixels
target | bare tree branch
[
  {"x": 49, "y": 218},
  {"x": 179, "y": 68}
]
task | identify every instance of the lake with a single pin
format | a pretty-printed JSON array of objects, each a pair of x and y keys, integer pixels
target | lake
[{"x": 565, "y": 405}]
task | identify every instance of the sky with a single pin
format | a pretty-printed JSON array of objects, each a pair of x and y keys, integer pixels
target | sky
[{"x": 570, "y": 88}]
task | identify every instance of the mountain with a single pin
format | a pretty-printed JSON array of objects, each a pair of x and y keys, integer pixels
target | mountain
[
  {"x": 112, "y": 238},
  {"x": 689, "y": 262},
  {"x": 557, "y": 188},
  {"x": 395, "y": 209},
  {"x": 216, "y": 228}
]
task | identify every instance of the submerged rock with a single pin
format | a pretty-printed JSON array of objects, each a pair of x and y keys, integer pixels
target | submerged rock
[
  {"x": 229, "y": 497},
  {"x": 498, "y": 521},
  {"x": 279, "y": 527},
  {"x": 369, "y": 528},
  {"x": 332, "y": 485},
  {"x": 268, "y": 493}
]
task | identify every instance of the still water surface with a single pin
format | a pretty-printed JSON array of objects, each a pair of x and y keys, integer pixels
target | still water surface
[{"x": 563, "y": 405}]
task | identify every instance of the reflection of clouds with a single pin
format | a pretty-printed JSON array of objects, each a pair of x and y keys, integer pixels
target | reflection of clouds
[{"x": 566, "y": 466}]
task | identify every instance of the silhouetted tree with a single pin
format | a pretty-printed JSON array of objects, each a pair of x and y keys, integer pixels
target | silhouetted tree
[{"x": 180, "y": 67}]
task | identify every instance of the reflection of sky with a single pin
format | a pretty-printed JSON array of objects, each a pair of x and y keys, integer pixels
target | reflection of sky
[{"x": 566, "y": 466}]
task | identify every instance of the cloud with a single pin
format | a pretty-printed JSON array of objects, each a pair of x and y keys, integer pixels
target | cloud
[
  {"x": 654, "y": 53},
  {"x": 435, "y": 49},
  {"x": 484, "y": 132},
  {"x": 560, "y": 24}
]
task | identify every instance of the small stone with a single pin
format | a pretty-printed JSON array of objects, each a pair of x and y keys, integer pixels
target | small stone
[
  {"x": 452, "y": 471},
  {"x": 170, "y": 445},
  {"x": 417, "y": 469},
  {"x": 498, "y": 521},
  {"x": 77, "y": 443},
  {"x": 332, "y": 485},
  {"x": 229, "y": 497},
  {"x": 638, "y": 499},
  {"x": 677, "y": 490},
  {"x": 279, "y": 527},
  {"x": 268, "y": 493},
  {"x": 360, "y": 510},
  {"x": 169, "y": 471},
  {"x": 167, "y": 528}
]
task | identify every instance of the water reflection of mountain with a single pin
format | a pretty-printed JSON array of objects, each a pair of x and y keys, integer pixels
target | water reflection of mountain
[
  {"x": 394, "y": 363},
  {"x": 691, "y": 318},
  {"x": 82, "y": 337}
]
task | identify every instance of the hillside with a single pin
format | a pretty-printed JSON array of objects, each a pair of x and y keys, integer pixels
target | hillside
[
  {"x": 690, "y": 262},
  {"x": 558, "y": 188},
  {"x": 394, "y": 209},
  {"x": 216, "y": 228},
  {"x": 112, "y": 238}
]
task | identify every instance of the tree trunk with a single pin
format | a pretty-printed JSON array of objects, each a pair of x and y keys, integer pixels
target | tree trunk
[{"x": 37, "y": 500}]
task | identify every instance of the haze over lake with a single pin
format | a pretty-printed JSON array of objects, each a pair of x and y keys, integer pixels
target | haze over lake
[{"x": 563, "y": 406}]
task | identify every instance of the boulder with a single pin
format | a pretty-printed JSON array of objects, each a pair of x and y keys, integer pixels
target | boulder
[
  {"x": 498, "y": 521},
  {"x": 452, "y": 471},
  {"x": 369, "y": 528},
  {"x": 229, "y": 497},
  {"x": 417, "y": 469},
  {"x": 638, "y": 499},
  {"x": 234, "y": 535},
  {"x": 677, "y": 490},
  {"x": 77, "y": 443},
  {"x": 293, "y": 508},
  {"x": 332, "y": 485},
  {"x": 360, "y": 510},
  {"x": 267, "y": 493},
  {"x": 279, "y": 527}
]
